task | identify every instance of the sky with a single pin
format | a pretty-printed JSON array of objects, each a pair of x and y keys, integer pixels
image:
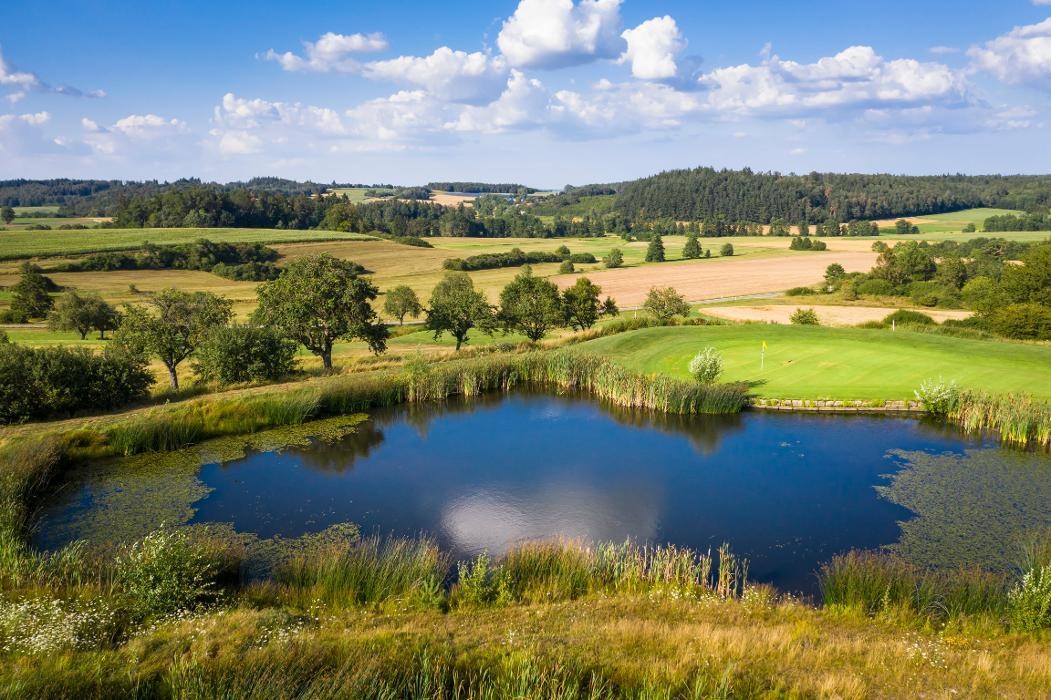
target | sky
[{"x": 541, "y": 92}]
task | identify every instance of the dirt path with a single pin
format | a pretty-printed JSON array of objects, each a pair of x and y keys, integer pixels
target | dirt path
[{"x": 699, "y": 280}]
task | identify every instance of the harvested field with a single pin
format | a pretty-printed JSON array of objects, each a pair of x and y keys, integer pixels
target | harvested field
[
  {"x": 829, "y": 315},
  {"x": 451, "y": 200},
  {"x": 722, "y": 277}
]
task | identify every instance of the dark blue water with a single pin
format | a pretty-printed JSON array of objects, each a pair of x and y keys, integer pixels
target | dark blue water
[{"x": 788, "y": 491}]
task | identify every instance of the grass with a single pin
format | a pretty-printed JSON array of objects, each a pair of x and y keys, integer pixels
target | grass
[
  {"x": 841, "y": 363},
  {"x": 1017, "y": 419}
]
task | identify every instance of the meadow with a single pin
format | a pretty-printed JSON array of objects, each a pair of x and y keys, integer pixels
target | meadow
[{"x": 841, "y": 363}]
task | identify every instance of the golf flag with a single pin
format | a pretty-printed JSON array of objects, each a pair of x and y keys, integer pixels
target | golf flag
[{"x": 764, "y": 345}]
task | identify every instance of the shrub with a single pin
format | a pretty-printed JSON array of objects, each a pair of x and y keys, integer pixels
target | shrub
[
  {"x": 1022, "y": 321},
  {"x": 908, "y": 317},
  {"x": 727, "y": 250},
  {"x": 805, "y": 317},
  {"x": 706, "y": 366},
  {"x": 232, "y": 354},
  {"x": 876, "y": 287},
  {"x": 938, "y": 397},
  {"x": 665, "y": 303},
  {"x": 45, "y": 625},
  {"x": 38, "y": 383},
  {"x": 799, "y": 292},
  {"x": 933, "y": 293},
  {"x": 566, "y": 267},
  {"x": 1030, "y": 602},
  {"x": 165, "y": 572}
]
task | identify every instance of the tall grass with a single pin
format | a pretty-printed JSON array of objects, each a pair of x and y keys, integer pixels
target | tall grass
[
  {"x": 1018, "y": 419},
  {"x": 875, "y": 583},
  {"x": 167, "y": 428}
]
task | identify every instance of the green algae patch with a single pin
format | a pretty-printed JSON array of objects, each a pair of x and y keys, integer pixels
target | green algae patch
[
  {"x": 115, "y": 501},
  {"x": 975, "y": 508}
]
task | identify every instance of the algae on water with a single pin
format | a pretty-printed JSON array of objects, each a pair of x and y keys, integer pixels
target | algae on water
[
  {"x": 974, "y": 508},
  {"x": 120, "y": 500}
]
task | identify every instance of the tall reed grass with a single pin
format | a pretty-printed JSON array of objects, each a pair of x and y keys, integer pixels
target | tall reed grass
[{"x": 1019, "y": 419}]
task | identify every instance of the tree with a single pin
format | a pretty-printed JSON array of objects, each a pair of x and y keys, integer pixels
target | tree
[
  {"x": 834, "y": 275},
  {"x": 609, "y": 307},
  {"x": 7, "y": 215},
  {"x": 83, "y": 313},
  {"x": 665, "y": 303},
  {"x": 706, "y": 366},
  {"x": 805, "y": 317},
  {"x": 727, "y": 250},
  {"x": 530, "y": 305},
  {"x": 582, "y": 305},
  {"x": 655, "y": 250},
  {"x": 232, "y": 354},
  {"x": 172, "y": 325},
  {"x": 30, "y": 296},
  {"x": 1030, "y": 281},
  {"x": 614, "y": 259},
  {"x": 456, "y": 307},
  {"x": 804, "y": 229},
  {"x": 902, "y": 227},
  {"x": 318, "y": 300},
  {"x": 692, "y": 249},
  {"x": 400, "y": 302}
]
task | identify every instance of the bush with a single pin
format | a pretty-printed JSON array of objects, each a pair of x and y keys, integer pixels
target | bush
[
  {"x": 37, "y": 383},
  {"x": 938, "y": 397},
  {"x": 166, "y": 572},
  {"x": 934, "y": 294},
  {"x": 1030, "y": 602},
  {"x": 876, "y": 287},
  {"x": 1022, "y": 321},
  {"x": 799, "y": 292},
  {"x": 566, "y": 267},
  {"x": 805, "y": 317},
  {"x": 907, "y": 317},
  {"x": 727, "y": 250},
  {"x": 706, "y": 366},
  {"x": 232, "y": 354}
]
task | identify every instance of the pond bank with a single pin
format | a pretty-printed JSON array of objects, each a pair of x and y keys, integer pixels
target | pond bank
[{"x": 838, "y": 406}]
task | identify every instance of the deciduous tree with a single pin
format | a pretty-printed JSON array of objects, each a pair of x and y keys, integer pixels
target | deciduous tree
[{"x": 456, "y": 307}]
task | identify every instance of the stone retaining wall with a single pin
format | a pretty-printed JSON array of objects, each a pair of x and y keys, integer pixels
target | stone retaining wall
[{"x": 830, "y": 406}]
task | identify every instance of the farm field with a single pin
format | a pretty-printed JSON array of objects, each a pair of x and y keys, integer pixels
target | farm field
[
  {"x": 23, "y": 244},
  {"x": 842, "y": 363},
  {"x": 830, "y": 315}
]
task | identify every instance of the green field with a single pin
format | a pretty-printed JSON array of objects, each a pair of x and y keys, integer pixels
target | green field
[
  {"x": 842, "y": 363},
  {"x": 950, "y": 225},
  {"x": 22, "y": 244}
]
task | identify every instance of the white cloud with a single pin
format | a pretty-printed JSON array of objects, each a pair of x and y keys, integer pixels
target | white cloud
[
  {"x": 409, "y": 115},
  {"x": 943, "y": 50},
  {"x": 855, "y": 78},
  {"x": 21, "y": 134},
  {"x": 523, "y": 104},
  {"x": 1023, "y": 55},
  {"x": 238, "y": 113},
  {"x": 239, "y": 143},
  {"x": 21, "y": 82},
  {"x": 1042, "y": 2},
  {"x": 456, "y": 76},
  {"x": 623, "y": 107},
  {"x": 559, "y": 33},
  {"x": 147, "y": 126},
  {"x": 653, "y": 48},
  {"x": 331, "y": 52}
]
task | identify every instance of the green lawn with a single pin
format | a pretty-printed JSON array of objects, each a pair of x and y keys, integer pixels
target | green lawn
[
  {"x": 836, "y": 363},
  {"x": 20, "y": 244}
]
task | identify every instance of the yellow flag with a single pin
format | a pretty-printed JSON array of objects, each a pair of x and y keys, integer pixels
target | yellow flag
[{"x": 764, "y": 345}]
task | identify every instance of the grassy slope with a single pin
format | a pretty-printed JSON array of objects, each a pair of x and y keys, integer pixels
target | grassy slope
[
  {"x": 628, "y": 645},
  {"x": 816, "y": 363}
]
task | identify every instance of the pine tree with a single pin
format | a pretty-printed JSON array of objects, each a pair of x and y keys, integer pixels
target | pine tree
[
  {"x": 655, "y": 250},
  {"x": 692, "y": 249}
]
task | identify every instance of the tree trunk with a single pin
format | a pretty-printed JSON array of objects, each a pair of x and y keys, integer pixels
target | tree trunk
[
  {"x": 173, "y": 377},
  {"x": 326, "y": 359}
]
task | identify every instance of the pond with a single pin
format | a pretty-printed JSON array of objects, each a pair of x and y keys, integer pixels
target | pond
[{"x": 788, "y": 491}]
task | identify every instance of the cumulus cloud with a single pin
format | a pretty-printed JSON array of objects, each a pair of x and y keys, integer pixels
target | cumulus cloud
[
  {"x": 135, "y": 133},
  {"x": 330, "y": 53},
  {"x": 21, "y": 82},
  {"x": 21, "y": 134},
  {"x": 560, "y": 33},
  {"x": 622, "y": 107},
  {"x": 855, "y": 78},
  {"x": 653, "y": 49},
  {"x": 522, "y": 104},
  {"x": 1023, "y": 55},
  {"x": 148, "y": 126},
  {"x": 238, "y": 113},
  {"x": 409, "y": 115},
  {"x": 456, "y": 76}
]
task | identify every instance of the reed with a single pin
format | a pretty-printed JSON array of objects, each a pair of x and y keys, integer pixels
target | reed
[
  {"x": 364, "y": 572},
  {"x": 874, "y": 583},
  {"x": 1019, "y": 419}
]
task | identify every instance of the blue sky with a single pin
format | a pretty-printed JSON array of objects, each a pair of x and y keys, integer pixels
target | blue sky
[{"x": 547, "y": 92}]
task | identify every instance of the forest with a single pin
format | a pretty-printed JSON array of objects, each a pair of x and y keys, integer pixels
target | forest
[{"x": 744, "y": 195}]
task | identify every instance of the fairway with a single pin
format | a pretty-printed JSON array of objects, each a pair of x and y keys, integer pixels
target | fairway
[{"x": 826, "y": 363}]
